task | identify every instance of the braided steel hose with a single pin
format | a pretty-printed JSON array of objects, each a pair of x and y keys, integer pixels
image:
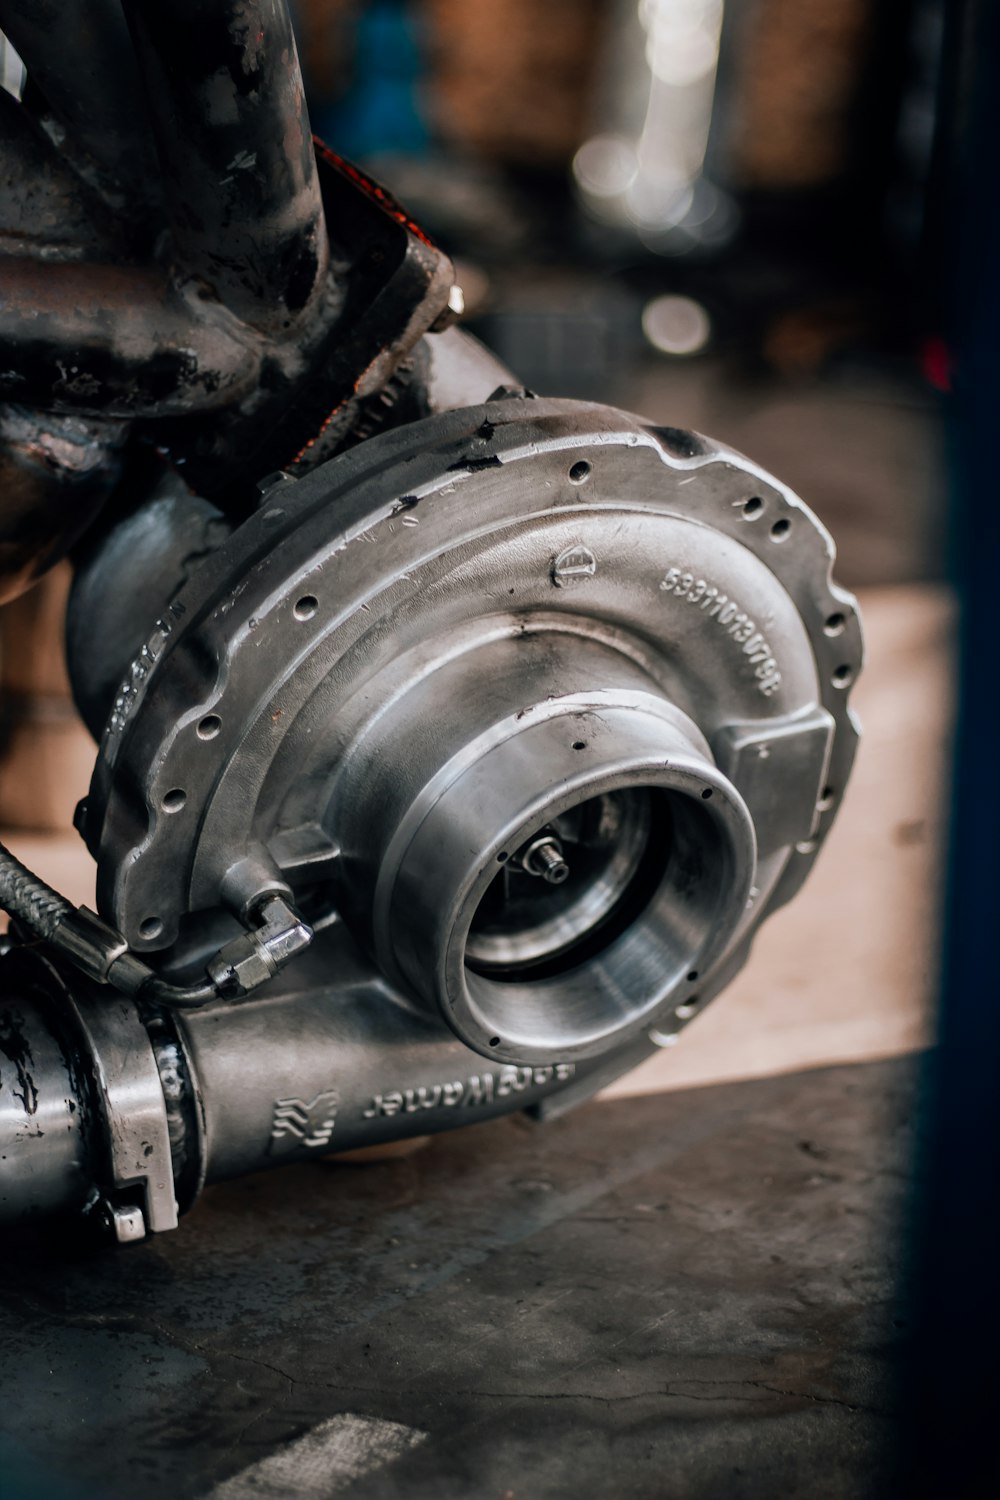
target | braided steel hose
[
  {"x": 89, "y": 943},
  {"x": 103, "y": 953},
  {"x": 25, "y": 896}
]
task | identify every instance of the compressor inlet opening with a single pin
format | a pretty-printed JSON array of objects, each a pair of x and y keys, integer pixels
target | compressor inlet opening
[
  {"x": 605, "y": 859},
  {"x": 656, "y": 881},
  {"x": 618, "y": 876}
]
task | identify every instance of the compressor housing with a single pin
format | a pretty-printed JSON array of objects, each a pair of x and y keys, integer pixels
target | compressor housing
[
  {"x": 528, "y": 712},
  {"x": 453, "y": 742}
]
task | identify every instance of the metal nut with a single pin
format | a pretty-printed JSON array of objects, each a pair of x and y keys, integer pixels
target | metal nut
[
  {"x": 451, "y": 312},
  {"x": 125, "y": 1222}
]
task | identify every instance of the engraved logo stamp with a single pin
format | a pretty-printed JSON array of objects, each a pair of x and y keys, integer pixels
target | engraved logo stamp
[
  {"x": 468, "y": 1093},
  {"x": 297, "y": 1123},
  {"x": 573, "y": 565}
]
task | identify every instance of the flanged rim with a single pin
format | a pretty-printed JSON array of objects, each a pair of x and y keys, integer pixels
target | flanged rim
[{"x": 692, "y": 895}]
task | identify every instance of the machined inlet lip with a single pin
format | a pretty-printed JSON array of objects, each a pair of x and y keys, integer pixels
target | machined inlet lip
[
  {"x": 581, "y": 1005},
  {"x": 569, "y": 886}
]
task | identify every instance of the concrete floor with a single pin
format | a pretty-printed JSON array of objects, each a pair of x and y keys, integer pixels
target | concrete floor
[{"x": 684, "y": 1294}]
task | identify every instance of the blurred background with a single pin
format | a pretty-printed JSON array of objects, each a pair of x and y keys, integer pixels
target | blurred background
[{"x": 721, "y": 213}]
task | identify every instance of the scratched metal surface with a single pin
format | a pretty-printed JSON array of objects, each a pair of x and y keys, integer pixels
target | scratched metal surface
[{"x": 689, "y": 1294}]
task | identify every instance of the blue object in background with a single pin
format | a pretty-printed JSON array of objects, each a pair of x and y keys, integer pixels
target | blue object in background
[{"x": 381, "y": 112}]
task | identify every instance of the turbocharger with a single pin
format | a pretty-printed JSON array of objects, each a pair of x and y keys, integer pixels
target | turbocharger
[
  {"x": 506, "y": 729},
  {"x": 453, "y": 775}
]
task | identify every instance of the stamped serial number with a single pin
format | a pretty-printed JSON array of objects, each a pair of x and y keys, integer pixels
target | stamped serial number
[{"x": 735, "y": 621}]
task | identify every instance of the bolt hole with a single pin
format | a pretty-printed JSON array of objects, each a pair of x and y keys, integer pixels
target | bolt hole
[
  {"x": 826, "y": 798},
  {"x": 579, "y": 472},
  {"x": 780, "y": 529},
  {"x": 579, "y": 744},
  {"x": 150, "y": 927},
  {"x": 692, "y": 977},
  {"x": 843, "y": 676},
  {"x": 834, "y": 624},
  {"x": 306, "y": 607},
  {"x": 174, "y": 800},
  {"x": 707, "y": 793},
  {"x": 753, "y": 507},
  {"x": 494, "y": 1041},
  {"x": 502, "y": 857},
  {"x": 209, "y": 727}
]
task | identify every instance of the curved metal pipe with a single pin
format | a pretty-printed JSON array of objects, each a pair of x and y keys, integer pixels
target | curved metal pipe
[
  {"x": 118, "y": 341},
  {"x": 79, "y": 58},
  {"x": 45, "y": 207},
  {"x": 56, "y": 473},
  {"x": 224, "y": 92},
  {"x": 46, "y": 1136}
]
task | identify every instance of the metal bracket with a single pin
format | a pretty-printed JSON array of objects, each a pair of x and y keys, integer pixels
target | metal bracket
[{"x": 779, "y": 766}]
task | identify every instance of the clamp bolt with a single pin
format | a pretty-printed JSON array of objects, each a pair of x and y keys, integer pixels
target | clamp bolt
[{"x": 125, "y": 1222}]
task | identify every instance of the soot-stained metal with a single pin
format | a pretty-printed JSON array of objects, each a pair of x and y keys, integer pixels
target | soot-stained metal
[{"x": 180, "y": 256}]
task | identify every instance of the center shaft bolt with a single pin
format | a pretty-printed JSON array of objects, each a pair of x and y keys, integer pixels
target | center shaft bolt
[{"x": 545, "y": 858}]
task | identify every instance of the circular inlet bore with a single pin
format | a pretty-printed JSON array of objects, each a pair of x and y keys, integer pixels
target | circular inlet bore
[
  {"x": 656, "y": 877},
  {"x": 599, "y": 960},
  {"x": 537, "y": 920}
]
